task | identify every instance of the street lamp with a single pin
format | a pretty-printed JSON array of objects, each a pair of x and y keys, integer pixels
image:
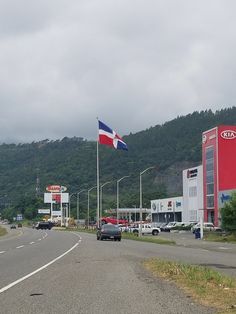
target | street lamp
[
  {"x": 69, "y": 208},
  {"x": 69, "y": 202},
  {"x": 88, "y": 203},
  {"x": 98, "y": 223},
  {"x": 135, "y": 213},
  {"x": 141, "y": 199},
  {"x": 77, "y": 211},
  {"x": 117, "y": 196}
]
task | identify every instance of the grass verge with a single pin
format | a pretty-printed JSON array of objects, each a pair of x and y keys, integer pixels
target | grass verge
[
  {"x": 3, "y": 231},
  {"x": 205, "y": 285},
  {"x": 210, "y": 236},
  {"x": 152, "y": 239},
  {"x": 130, "y": 236}
]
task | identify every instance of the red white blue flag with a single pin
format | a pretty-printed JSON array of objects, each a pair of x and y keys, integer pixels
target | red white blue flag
[{"x": 109, "y": 137}]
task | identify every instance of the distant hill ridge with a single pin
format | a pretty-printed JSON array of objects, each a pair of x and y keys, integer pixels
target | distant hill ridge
[{"x": 71, "y": 162}]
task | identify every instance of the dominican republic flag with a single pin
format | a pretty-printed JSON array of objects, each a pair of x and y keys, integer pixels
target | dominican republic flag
[{"x": 109, "y": 137}]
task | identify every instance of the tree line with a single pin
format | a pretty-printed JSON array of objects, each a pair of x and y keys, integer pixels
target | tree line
[{"x": 170, "y": 147}]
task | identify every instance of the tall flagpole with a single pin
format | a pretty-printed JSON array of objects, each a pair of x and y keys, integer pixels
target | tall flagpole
[{"x": 98, "y": 185}]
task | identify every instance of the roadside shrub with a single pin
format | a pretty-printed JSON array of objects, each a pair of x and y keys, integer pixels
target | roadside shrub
[
  {"x": 228, "y": 215},
  {"x": 186, "y": 228}
]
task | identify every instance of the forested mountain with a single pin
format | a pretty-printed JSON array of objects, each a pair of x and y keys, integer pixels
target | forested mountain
[{"x": 71, "y": 162}]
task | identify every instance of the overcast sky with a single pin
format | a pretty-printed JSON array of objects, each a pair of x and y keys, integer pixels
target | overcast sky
[{"x": 132, "y": 63}]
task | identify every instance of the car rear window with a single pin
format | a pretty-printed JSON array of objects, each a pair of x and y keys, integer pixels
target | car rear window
[{"x": 110, "y": 227}]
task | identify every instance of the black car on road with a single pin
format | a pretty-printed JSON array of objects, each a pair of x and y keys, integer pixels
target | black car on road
[
  {"x": 109, "y": 231},
  {"x": 44, "y": 225}
]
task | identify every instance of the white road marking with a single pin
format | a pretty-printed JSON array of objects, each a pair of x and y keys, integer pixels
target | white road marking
[
  {"x": 19, "y": 247},
  {"x": 2, "y": 252},
  {"x": 223, "y": 248},
  {"x": 37, "y": 270},
  {"x": 32, "y": 242},
  {"x": 39, "y": 239}
]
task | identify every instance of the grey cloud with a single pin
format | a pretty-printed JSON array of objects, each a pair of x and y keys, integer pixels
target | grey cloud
[{"x": 63, "y": 63}]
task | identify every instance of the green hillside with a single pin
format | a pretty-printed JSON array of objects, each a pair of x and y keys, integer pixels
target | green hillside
[{"x": 71, "y": 162}]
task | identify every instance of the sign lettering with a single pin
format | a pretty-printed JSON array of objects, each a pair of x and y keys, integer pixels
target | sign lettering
[{"x": 228, "y": 134}]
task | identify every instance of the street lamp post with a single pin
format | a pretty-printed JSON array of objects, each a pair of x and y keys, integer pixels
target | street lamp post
[
  {"x": 69, "y": 203},
  {"x": 135, "y": 213},
  {"x": 88, "y": 203},
  {"x": 141, "y": 199},
  {"x": 77, "y": 207},
  {"x": 69, "y": 207},
  {"x": 98, "y": 223},
  {"x": 117, "y": 196}
]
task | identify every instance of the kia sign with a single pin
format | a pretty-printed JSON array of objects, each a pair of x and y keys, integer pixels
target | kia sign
[
  {"x": 228, "y": 134},
  {"x": 56, "y": 188}
]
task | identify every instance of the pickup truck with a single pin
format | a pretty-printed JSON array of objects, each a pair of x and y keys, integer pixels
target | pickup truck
[{"x": 146, "y": 229}]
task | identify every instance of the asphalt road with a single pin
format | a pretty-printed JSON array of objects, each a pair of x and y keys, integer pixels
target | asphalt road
[{"x": 95, "y": 276}]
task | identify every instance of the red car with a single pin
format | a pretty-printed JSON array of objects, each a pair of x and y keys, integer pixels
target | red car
[{"x": 114, "y": 221}]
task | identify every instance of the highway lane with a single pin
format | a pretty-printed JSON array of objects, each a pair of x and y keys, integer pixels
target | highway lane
[
  {"x": 29, "y": 249},
  {"x": 16, "y": 237},
  {"x": 96, "y": 277}
]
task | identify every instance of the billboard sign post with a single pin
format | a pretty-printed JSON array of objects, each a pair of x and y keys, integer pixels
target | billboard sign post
[{"x": 55, "y": 196}]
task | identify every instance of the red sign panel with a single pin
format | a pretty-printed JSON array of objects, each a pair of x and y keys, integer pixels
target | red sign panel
[
  {"x": 227, "y": 157},
  {"x": 53, "y": 188},
  {"x": 56, "y": 198}
]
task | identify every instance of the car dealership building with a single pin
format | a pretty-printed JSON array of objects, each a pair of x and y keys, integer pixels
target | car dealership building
[
  {"x": 186, "y": 208},
  {"x": 207, "y": 187},
  {"x": 219, "y": 169}
]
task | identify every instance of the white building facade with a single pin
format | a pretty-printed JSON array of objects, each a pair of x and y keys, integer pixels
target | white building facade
[
  {"x": 167, "y": 209},
  {"x": 186, "y": 208},
  {"x": 193, "y": 194}
]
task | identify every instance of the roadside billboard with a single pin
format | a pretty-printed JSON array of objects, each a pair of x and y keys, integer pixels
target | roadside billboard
[
  {"x": 44, "y": 211},
  {"x": 56, "y": 188},
  {"x": 56, "y": 198}
]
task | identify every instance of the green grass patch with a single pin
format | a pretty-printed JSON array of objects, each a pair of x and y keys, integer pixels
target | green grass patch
[
  {"x": 219, "y": 237},
  {"x": 80, "y": 229},
  {"x": 205, "y": 285},
  {"x": 152, "y": 239},
  {"x": 3, "y": 231},
  {"x": 131, "y": 236}
]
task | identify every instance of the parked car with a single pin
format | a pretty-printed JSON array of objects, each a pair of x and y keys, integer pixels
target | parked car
[
  {"x": 109, "y": 231},
  {"x": 169, "y": 226},
  {"x": 19, "y": 225},
  {"x": 124, "y": 228},
  {"x": 146, "y": 229},
  {"x": 13, "y": 227},
  {"x": 207, "y": 226}
]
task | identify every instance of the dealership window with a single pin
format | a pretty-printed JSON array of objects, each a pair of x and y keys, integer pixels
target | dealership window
[
  {"x": 209, "y": 153},
  {"x": 209, "y": 176},
  {"x": 209, "y": 164},
  {"x": 192, "y": 191},
  {"x": 210, "y": 188},
  {"x": 210, "y": 201}
]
